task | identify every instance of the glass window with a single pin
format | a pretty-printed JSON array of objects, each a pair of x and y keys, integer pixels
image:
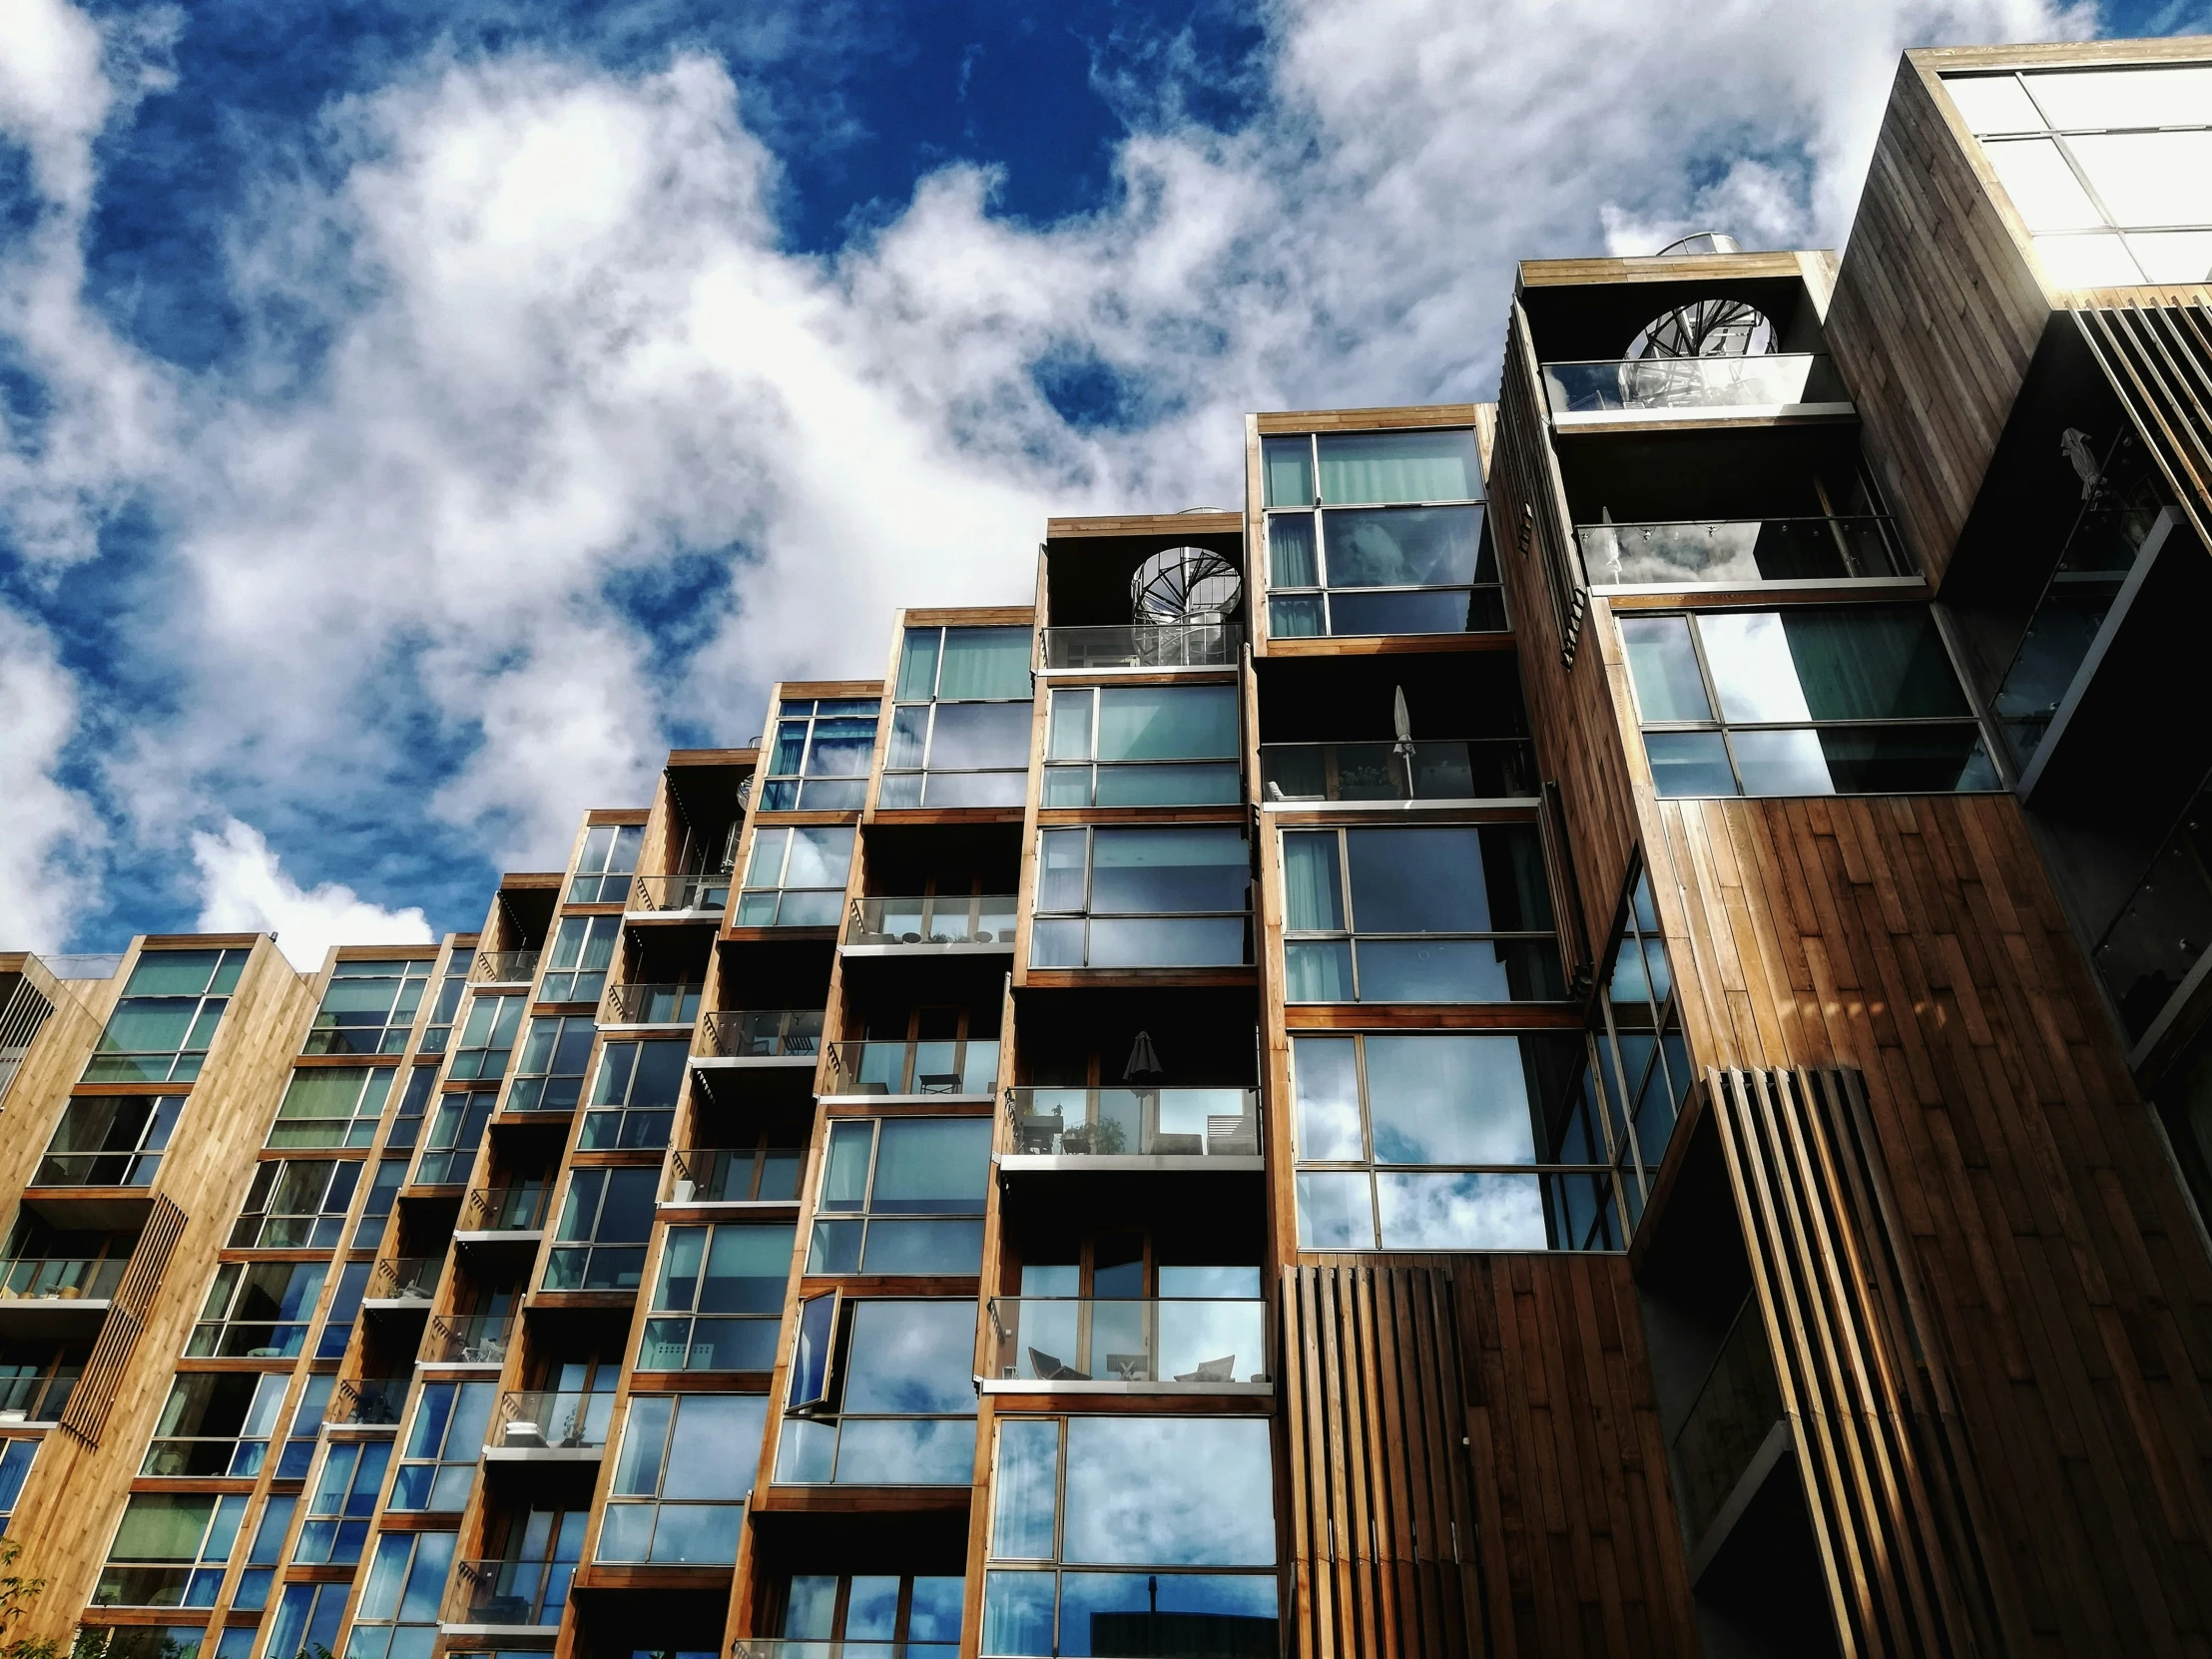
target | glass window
[
  {"x": 369, "y": 1008},
  {"x": 681, "y": 1481},
  {"x": 37, "y": 1379},
  {"x": 1165, "y": 897},
  {"x": 576, "y": 967},
  {"x": 339, "y": 1501},
  {"x": 1143, "y": 746},
  {"x": 1393, "y": 541},
  {"x": 487, "y": 1037},
  {"x": 901, "y": 1408},
  {"x": 718, "y": 1302},
  {"x": 633, "y": 1101},
  {"x": 15, "y": 1469},
  {"x": 215, "y": 1425},
  {"x": 414, "y": 1103},
  {"x": 604, "y": 867},
  {"x": 922, "y": 1612},
  {"x": 384, "y": 1190},
  {"x": 302, "y": 1437},
  {"x": 437, "y": 1463},
  {"x": 162, "y": 1026},
  {"x": 457, "y": 1132},
  {"x": 1459, "y": 913},
  {"x": 600, "y": 1244},
  {"x": 550, "y": 1075},
  {"x": 399, "y": 1614},
  {"x": 438, "y": 1028},
  {"x": 960, "y": 728},
  {"x": 331, "y": 1106},
  {"x": 170, "y": 1550},
  {"x": 1860, "y": 700},
  {"x": 1442, "y": 1140},
  {"x": 902, "y": 1194},
  {"x": 795, "y": 876},
  {"x": 306, "y": 1622},
  {"x": 1638, "y": 1078},
  {"x": 296, "y": 1204},
  {"x": 267, "y": 1553},
  {"x": 258, "y": 1310},
  {"x": 820, "y": 760},
  {"x": 344, "y": 1308},
  {"x": 1120, "y": 1534},
  {"x": 110, "y": 1141}
]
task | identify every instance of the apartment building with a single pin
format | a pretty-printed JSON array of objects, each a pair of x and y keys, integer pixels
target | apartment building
[{"x": 1577, "y": 1029}]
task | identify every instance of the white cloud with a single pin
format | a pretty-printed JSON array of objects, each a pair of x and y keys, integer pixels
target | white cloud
[
  {"x": 567, "y": 344},
  {"x": 49, "y": 837},
  {"x": 244, "y": 891}
]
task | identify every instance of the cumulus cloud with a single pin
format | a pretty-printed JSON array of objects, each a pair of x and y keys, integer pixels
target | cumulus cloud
[
  {"x": 548, "y": 347},
  {"x": 244, "y": 891},
  {"x": 48, "y": 834}
]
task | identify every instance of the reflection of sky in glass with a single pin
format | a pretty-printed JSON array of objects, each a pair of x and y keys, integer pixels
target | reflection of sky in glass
[
  {"x": 1753, "y": 670},
  {"x": 1449, "y": 1100},
  {"x": 1114, "y": 1612},
  {"x": 911, "y": 1356},
  {"x": 1333, "y": 1211},
  {"x": 1169, "y": 1491},
  {"x": 715, "y": 1447},
  {"x": 1327, "y": 1088},
  {"x": 906, "y": 1451},
  {"x": 1460, "y": 1212},
  {"x": 1418, "y": 882}
]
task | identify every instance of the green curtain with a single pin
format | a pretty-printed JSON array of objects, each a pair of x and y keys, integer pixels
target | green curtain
[
  {"x": 1871, "y": 664},
  {"x": 917, "y": 665},
  {"x": 1417, "y": 466},
  {"x": 1167, "y": 723},
  {"x": 1288, "y": 468},
  {"x": 1313, "y": 891},
  {"x": 160, "y": 1526},
  {"x": 327, "y": 1092},
  {"x": 984, "y": 663},
  {"x": 1292, "y": 559},
  {"x": 172, "y": 973}
]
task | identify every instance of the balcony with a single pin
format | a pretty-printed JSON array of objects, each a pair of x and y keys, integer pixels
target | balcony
[
  {"x": 513, "y": 1214},
  {"x": 563, "y": 1427},
  {"x": 468, "y": 1340},
  {"x": 1479, "y": 769},
  {"x": 1792, "y": 382},
  {"x": 403, "y": 1284},
  {"x": 55, "y": 1295},
  {"x": 1076, "y": 1344},
  {"x": 369, "y": 1402},
  {"x": 507, "y": 1595},
  {"x": 792, "y": 1647},
  {"x": 1737, "y": 1405},
  {"x": 2157, "y": 945},
  {"x": 932, "y": 925},
  {"x": 1102, "y": 1128},
  {"x": 948, "y": 1067},
  {"x": 721, "y": 1175},
  {"x": 504, "y": 967},
  {"x": 1145, "y": 645},
  {"x": 1744, "y": 552},
  {"x": 672, "y": 896},
  {"x": 663, "y": 1005},
  {"x": 787, "y": 1036}
]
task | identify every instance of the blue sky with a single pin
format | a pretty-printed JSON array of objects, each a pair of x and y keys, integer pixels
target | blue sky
[{"x": 414, "y": 418}]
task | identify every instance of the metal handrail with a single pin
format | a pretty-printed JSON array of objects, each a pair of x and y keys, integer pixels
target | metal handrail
[
  {"x": 1719, "y": 551},
  {"x": 553, "y": 1419},
  {"x": 406, "y": 1279},
  {"x": 1761, "y": 381},
  {"x": 515, "y": 1593},
  {"x": 61, "y": 1278},
  {"x": 705, "y": 1174},
  {"x": 369, "y": 1399}
]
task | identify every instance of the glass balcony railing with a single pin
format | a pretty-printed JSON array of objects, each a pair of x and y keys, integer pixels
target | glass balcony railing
[
  {"x": 59, "y": 1279},
  {"x": 1145, "y": 645},
  {"x": 1479, "y": 769},
  {"x": 722, "y": 1175},
  {"x": 1692, "y": 383},
  {"x": 1080, "y": 1339},
  {"x": 1736, "y": 552},
  {"x": 856, "y": 1647},
  {"x": 947, "y": 918},
  {"x": 369, "y": 1399},
  {"x": 661, "y": 894},
  {"x": 1738, "y": 1403},
  {"x": 2166, "y": 926},
  {"x": 406, "y": 1279},
  {"x": 517, "y": 1208},
  {"x": 1155, "y": 1123},
  {"x": 467, "y": 1338},
  {"x": 948, "y": 1067},
  {"x": 650, "y": 1005},
  {"x": 520, "y": 1594},
  {"x": 552, "y": 1421},
  {"x": 97, "y": 1169},
  {"x": 505, "y": 967},
  {"x": 762, "y": 1034}
]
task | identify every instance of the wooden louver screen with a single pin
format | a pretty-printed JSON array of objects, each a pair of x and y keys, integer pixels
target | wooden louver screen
[
  {"x": 1882, "y": 1459},
  {"x": 1540, "y": 529},
  {"x": 2158, "y": 357},
  {"x": 1383, "y": 1532},
  {"x": 94, "y": 1397}
]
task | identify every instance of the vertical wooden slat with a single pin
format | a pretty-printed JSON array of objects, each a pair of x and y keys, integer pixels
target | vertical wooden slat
[{"x": 86, "y": 1415}]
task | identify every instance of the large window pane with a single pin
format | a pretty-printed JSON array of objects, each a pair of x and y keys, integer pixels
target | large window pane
[
  {"x": 1169, "y": 1491},
  {"x": 1663, "y": 665},
  {"x": 983, "y": 663},
  {"x": 974, "y": 736},
  {"x": 911, "y": 1356},
  {"x": 1287, "y": 465},
  {"x": 1326, "y": 1081},
  {"x": 820, "y": 856},
  {"x": 906, "y": 1451},
  {"x": 2042, "y": 187},
  {"x": 715, "y": 1447},
  {"x": 1294, "y": 561},
  {"x": 1313, "y": 891},
  {"x": 1401, "y": 546},
  {"x": 2152, "y": 177},
  {"x": 1334, "y": 1211},
  {"x": 1449, "y": 1100},
  {"x": 1025, "y": 1494},
  {"x": 932, "y": 1165},
  {"x": 1166, "y": 942},
  {"x": 1118, "y": 1614},
  {"x": 1415, "y": 465},
  {"x": 1460, "y": 1212},
  {"x": 1153, "y": 872},
  {"x": 1418, "y": 882},
  {"x": 1167, "y": 723}
]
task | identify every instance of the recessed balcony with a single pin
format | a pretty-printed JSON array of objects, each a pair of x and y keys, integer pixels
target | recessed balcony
[
  {"x": 1478, "y": 768},
  {"x": 1674, "y": 389},
  {"x": 369, "y": 1402},
  {"x": 932, "y": 1069},
  {"x": 507, "y": 1597},
  {"x": 668, "y": 1006},
  {"x": 1145, "y": 645},
  {"x": 1132, "y": 1129},
  {"x": 504, "y": 967},
  {"x": 566, "y": 1425},
  {"x": 403, "y": 1285},
  {"x": 694, "y": 898},
  {"x": 1071, "y": 1344},
  {"x": 932, "y": 925},
  {"x": 739, "y": 1177},
  {"x": 1743, "y": 552},
  {"x": 513, "y": 1215},
  {"x": 468, "y": 1340},
  {"x": 57, "y": 1295},
  {"x": 782, "y": 1039}
]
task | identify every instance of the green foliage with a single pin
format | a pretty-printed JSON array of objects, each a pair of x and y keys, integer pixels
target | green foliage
[{"x": 18, "y": 1593}]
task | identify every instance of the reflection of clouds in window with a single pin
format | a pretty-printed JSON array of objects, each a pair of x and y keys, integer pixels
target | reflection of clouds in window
[
  {"x": 1449, "y": 1100},
  {"x": 1753, "y": 670},
  {"x": 911, "y": 1356},
  {"x": 1169, "y": 1491},
  {"x": 1328, "y": 1089},
  {"x": 1460, "y": 1212}
]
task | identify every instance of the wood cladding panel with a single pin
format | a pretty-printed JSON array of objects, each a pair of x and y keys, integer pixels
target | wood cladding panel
[
  {"x": 2068, "y": 1295},
  {"x": 1889, "y": 1480},
  {"x": 1936, "y": 316},
  {"x": 1475, "y": 1462},
  {"x": 94, "y": 1397}
]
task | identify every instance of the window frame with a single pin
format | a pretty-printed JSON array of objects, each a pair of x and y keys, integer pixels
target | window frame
[
  {"x": 1041, "y": 917},
  {"x": 326, "y": 1222},
  {"x": 199, "y": 1575},
  {"x": 657, "y": 1311},
  {"x": 403, "y": 1594},
  {"x": 464, "y": 1117},
  {"x": 231, "y": 1282},
  {"x": 287, "y": 1133},
  {"x": 141, "y": 1160},
  {"x": 797, "y": 791},
  {"x": 658, "y": 1501},
  {"x": 581, "y": 978},
  {"x": 337, "y": 1536},
  {"x": 787, "y": 836},
  {"x": 590, "y": 1138},
  {"x": 485, "y": 1059},
  {"x": 830, "y": 1224},
  {"x": 182, "y": 1064},
  {"x": 598, "y": 862},
  {"x": 443, "y": 1457},
  {"x": 1090, "y": 767},
  {"x": 896, "y": 782},
  {"x": 565, "y": 1029},
  {"x": 389, "y": 1035},
  {"x": 823, "y": 1421},
  {"x": 257, "y": 1429},
  {"x": 559, "y": 1248}
]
